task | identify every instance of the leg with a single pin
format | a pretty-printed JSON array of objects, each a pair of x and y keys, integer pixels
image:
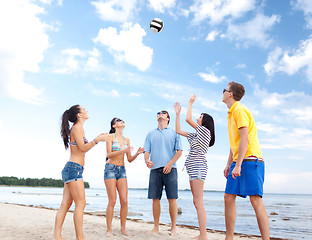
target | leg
[
  {"x": 61, "y": 213},
  {"x": 230, "y": 214},
  {"x": 171, "y": 187},
  {"x": 78, "y": 194},
  {"x": 262, "y": 216},
  {"x": 197, "y": 188},
  {"x": 112, "y": 195},
  {"x": 122, "y": 187},
  {"x": 155, "y": 188},
  {"x": 156, "y": 214},
  {"x": 173, "y": 211}
]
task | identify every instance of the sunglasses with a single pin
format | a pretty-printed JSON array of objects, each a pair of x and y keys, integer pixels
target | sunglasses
[
  {"x": 162, "y": 112},
  {"x": 119, "y": 120},
  {"x": 225, "y": 90}
]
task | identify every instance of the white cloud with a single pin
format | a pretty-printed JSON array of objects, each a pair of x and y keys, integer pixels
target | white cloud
[
  {"x": 101, "y": 92},
  {"x": 302, "y": 114},
  {"x": 212, "y": 36},
  {"x": 161, "y": 5},
  {"x": 291, "y": 63},
  {"x": 146, "y": 109},
  {"x": 283, "y": 120},
  {"x": 276, "y": 101},
  {"x": 286, "y": 138},
  {"x": 74, "y": 59},
  {"x": 240, "y": 66},
  {"x": 134, "y": 94},
  {"x": 285, "y": 182},
  {"x": 127, "y": 45},
  {"x": 92, "y": 64},
  {"x": 22, "y": 44},
  {"x": 253, "y": 32},
  {"x": 306, "y": 7},
  {"x": 213, "y": 105},
  {"x": 211, "y": 77},
  {"x": 49, "y": 2},
  {"x": 115, "y": 10},
  {"x": 217, "y": 10}
]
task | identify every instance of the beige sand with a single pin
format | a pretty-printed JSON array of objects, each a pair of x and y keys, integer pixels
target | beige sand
[{"x": 31, "y": 223}]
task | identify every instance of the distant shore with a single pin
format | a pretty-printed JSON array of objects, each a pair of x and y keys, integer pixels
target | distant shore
[{"x": 30, "y": 223}]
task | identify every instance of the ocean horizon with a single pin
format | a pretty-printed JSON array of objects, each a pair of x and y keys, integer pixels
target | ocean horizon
[{"x": 290, "y": 215}]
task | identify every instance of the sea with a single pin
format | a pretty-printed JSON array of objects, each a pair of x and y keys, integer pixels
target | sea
[{"x": 290, "y": 215}]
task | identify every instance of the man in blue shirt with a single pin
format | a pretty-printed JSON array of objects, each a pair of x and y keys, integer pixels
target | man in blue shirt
[{"x": 162, "y": 149}]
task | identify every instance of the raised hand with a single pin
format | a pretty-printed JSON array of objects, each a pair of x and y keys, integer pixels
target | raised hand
[
  {"x": 192, "y": 98},
  {"x": 177, "y": 107}
]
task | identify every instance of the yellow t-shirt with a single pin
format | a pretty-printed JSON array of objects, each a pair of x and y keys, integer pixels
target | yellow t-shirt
[{"x": 240, "y": 116}]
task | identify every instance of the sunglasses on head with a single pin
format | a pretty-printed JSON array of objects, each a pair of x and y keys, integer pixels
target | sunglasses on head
[{"x": 162, "y": 112}]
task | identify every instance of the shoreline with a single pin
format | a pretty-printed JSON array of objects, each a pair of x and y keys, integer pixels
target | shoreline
[{"x": 38, "y": 221}]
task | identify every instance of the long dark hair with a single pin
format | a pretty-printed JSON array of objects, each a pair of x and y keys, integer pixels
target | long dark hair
[
  {"x": 208, "y": 123},
  {"x": 69, "y": 115},
  {"x": 112, "y": 130}
]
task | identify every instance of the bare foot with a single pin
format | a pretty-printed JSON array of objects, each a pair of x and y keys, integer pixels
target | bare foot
[
  {"x": 200, "y": 237},
  {"x": 109, "y": 234},
  {"x": 57, "y": 238},
  {"x": 174, "y": 233},
  {"x": 124, "y": 232},
  {"x": 82, "y": 238},
  {"x": 154, "y": 230}
]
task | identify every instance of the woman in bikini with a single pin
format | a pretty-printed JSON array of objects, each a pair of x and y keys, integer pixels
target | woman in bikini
[
  {"x": 72, "y": 172},
  {"x": 115, "y": 174}
]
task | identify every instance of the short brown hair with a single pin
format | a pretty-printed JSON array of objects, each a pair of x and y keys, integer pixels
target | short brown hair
[{"x": 237, "y": 89}]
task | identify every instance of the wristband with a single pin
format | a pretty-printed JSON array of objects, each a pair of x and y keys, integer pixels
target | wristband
[{"x": 95, "y": 141}]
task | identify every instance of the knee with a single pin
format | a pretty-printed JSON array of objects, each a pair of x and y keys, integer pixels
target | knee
[
  {"x": 228, "y": 198},
  {"x": 124, "y": 202},
  {"x": 255, "y": 201},
  {"x": 112, "y": 202},
  {"x": 81, "y": 203},
  {"x": 197, "y": 203},
  {"x": 171, "y": 202}
]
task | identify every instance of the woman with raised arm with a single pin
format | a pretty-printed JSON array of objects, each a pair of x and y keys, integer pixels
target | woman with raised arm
[
  {"x": 72, "y": 172},
  {"x": 196, "y": 163},
  {"x": 115, "y": 174}
]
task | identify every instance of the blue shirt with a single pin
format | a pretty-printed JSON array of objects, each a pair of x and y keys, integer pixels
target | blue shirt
[{"x": 162, "y": 146}]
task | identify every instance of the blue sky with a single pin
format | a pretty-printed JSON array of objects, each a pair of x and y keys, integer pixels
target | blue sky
[{"x": 103, "y": 56}]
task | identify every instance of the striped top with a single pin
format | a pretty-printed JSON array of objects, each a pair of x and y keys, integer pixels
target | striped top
[{"x": 199, "y": 143}]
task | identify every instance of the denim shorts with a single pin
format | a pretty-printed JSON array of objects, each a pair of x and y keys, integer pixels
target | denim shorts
[
  {"x": 112, "y": 171},
  {"x": 249, "y": 183},
  {"x": 158, "y": 180},
  {"x": 72, "y": 172}
]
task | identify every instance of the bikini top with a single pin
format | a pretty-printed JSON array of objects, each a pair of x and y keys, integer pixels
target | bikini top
[
  {"x": 75, "y": 144},
  {"x": 116, "y": 145}
]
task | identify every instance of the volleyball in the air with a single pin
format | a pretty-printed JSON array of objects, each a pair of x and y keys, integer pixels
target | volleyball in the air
[{"x": 156, "y": 25}]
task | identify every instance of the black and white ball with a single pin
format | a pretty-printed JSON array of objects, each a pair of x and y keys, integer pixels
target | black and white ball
[{"x": 156, "y": 25}]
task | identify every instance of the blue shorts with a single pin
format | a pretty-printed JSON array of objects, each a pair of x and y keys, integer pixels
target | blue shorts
[
  {"x": 249, "y": 183},
  {"x": 112, "y": 171},
  {"x": 158, "y": 180},
  {"x": 72, "y": 172}
]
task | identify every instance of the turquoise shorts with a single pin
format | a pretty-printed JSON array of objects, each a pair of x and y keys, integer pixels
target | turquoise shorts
[{"x": 249, "y": 183}]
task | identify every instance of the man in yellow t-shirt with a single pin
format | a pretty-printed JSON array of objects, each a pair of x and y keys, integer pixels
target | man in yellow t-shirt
[{"x": 245, "y": 166}]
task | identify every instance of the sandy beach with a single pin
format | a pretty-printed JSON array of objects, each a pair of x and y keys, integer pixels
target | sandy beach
[{"x": 31, "y": 223}]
